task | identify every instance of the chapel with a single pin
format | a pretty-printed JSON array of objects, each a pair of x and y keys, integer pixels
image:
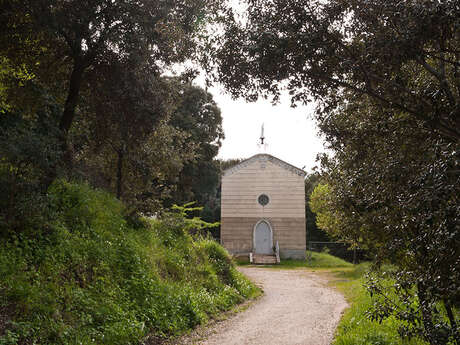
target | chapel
[{"x": 263, "y": 208}]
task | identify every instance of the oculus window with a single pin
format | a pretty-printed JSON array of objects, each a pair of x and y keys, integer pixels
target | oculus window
[{"x": 263, "y": 199}]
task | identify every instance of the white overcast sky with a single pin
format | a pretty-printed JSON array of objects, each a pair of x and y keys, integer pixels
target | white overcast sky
[{"x": 291, "y": 133}]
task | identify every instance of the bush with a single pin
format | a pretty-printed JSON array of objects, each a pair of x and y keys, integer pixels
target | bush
[
  {"x": 29, "y": 153},
  {"x": 94, "y": 279},
  {"x": 355, "y": 327}
]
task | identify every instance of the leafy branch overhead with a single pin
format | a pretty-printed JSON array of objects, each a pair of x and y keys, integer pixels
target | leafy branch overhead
[
  {"x": 402, "y": 54},
  {"x": 63, "y": 42}
]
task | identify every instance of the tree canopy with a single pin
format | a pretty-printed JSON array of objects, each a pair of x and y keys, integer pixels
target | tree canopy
[
  {"x": 118, "y": 121},
  {"x": 393, "y": 189},
  {"x": 402, "y": 54},
  {"x": 62, "y": 42},
  {"x": 198, "y": 115}
]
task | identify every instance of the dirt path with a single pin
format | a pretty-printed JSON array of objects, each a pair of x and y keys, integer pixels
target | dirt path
[{"x": 297, "y": 308}]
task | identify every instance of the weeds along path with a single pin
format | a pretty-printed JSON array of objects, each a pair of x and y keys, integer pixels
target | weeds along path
[{"x": 297, "y": 308}]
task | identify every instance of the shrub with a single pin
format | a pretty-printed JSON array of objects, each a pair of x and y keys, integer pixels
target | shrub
[
  {"x": 95, "y": 279},
  {"x": 356, "y": 328}
]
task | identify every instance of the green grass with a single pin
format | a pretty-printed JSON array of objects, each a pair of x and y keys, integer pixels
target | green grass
[
  {"x": 324, "y": 260},
  {"x": 89, "y": 276},
  {"x": 314, "y": 260}
]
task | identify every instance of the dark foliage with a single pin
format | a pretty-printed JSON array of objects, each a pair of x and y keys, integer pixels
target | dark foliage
[
  {"x": 313, "y": 232},
  {"x": 398, "y": 188},
  {"x": 198, "y": 115},
  {"x": 29, "y": 150},
  {"x": 61, "y": 42},
  {"x": 117, "y": 143}
]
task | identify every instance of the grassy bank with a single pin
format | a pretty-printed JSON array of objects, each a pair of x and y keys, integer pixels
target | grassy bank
[{"x": 86, "y": 275}]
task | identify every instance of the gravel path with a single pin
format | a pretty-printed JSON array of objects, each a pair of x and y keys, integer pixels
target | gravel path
[{"x": 297, "y": 309}]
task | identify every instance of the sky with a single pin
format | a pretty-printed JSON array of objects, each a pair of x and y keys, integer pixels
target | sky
[{"x": 291, "y": 133}]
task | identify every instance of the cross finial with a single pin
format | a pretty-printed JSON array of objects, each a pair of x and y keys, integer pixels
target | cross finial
[
  {"x": 262, "y": 138},
  {"x": 262, "y": 144}
]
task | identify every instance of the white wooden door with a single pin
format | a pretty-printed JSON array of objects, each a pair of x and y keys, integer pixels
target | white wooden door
[{"x": 263, "y": 238}]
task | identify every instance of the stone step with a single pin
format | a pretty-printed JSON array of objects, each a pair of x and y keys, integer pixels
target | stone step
[{"x": 264, "y": 259}]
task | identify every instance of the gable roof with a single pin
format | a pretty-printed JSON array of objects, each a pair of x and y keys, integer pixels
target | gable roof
[{"x": 262, "y": 157}]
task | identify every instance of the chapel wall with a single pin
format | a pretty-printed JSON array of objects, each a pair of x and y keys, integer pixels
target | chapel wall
[
  {"x": 241, "y": 189},
  {"x": 285, "y": 212},
  {"x": 237, "y": 234}
]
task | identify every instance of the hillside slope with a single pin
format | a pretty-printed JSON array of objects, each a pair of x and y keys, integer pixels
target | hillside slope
[{"x": 87, "y": 276}]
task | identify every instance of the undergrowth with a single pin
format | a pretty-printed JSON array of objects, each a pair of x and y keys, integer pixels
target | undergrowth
[
  {"x": 88, "y": 276},
  {"x": 355, "y": 328}
]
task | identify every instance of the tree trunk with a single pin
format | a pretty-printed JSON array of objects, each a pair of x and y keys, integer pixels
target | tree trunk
[
  {"x": 67, "y": 118},
  {"x": 72, "y": 96},
  {"x": 451, "y": 316},
  {"x": 427, "y": 316},
  {"x": 119, "y": 174}
]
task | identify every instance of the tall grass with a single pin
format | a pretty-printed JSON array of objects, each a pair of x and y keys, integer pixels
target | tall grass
[{"x": 89, "y": 277}]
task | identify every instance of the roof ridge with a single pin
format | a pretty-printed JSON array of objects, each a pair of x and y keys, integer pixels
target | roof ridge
[{"x": 271, "y": 158}]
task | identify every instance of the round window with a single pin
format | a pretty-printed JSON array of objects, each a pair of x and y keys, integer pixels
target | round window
[{"x": 263, "y": 199}]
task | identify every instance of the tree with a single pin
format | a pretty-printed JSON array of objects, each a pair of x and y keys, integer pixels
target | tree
[
  {"x": 228, "y": 163},
  {"x": 331, "y": 218},
  {"x": 125, "y": 143},
  {"x": 59, "y": 41},
  {"x": 149, "y": 138},
  {"x": 404, "y": 55},
  {"x": 314, "y": 230},
  {"x": 28, "y": 150},
  {"x": 150, "y": 168},
  {"x": 198, "y": 115},
  {"x": 332, "y": 222},
  {"x": 393, "y": 189},
  {"x": 125, "y": 104}
]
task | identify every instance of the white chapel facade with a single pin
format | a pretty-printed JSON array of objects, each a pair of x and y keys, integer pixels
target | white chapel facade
[{"x": 263, "y": 205}]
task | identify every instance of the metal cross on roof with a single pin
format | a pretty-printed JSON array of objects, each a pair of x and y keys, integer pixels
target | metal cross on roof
[{"x": 262, "y": 143}]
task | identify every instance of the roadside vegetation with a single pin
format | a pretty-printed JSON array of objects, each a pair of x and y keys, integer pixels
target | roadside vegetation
[
  {"x": 355, "y": 327},
  {"x": 91, "y": 275},
  {"x": 84, "y": 97}
]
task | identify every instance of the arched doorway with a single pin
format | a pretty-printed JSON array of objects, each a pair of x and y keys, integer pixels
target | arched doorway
[{"x": 263, "y": 238}]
